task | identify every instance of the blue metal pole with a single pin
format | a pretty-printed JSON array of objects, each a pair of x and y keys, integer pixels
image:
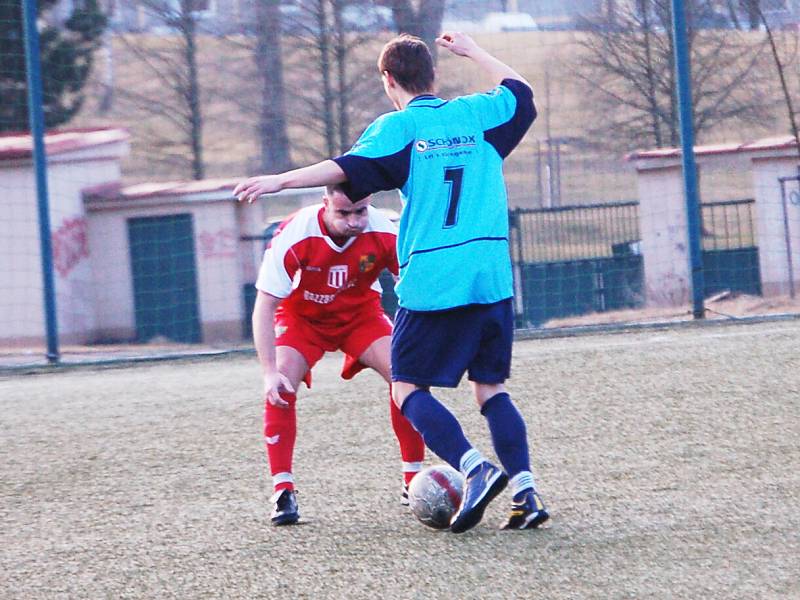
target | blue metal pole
[
  {"x": 36, "y": 118},
  {"x": 682, "y": 69}
]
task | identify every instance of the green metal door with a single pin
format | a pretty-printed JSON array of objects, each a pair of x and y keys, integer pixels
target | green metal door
[{"x": 164, "y": 278}]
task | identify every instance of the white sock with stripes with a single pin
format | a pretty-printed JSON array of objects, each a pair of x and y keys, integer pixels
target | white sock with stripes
[
  {"x": 520, "y": 482},
  {"x": 412, "y": 467},
  {"x": 284, "y": 477},
  {"x": 469, "y": 460}
]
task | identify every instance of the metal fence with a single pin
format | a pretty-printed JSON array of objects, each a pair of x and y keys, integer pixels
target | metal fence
[
  {"x": 584, "y": 259},
  {"x": 729, "y": 224},
  {"x": 572, "y": 232}
]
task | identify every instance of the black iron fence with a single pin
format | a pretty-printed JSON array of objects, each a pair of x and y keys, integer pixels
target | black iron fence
[
  {"x": 574, "y": 260},
  {"x": 728, "y": 225},
  {"x": 572, "y": 232},
  {"x": 730, "y": 252}
]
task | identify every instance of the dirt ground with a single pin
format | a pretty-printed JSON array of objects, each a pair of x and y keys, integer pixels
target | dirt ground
[
  {"x": 720, "y": 307},
  {"x": 669, "y": 460}
]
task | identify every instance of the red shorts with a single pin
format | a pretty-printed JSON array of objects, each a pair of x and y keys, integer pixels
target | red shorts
[{"x": 314, "y": 340}]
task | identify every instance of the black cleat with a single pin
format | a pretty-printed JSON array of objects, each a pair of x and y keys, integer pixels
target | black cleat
[
  {"x": 527, "y": 513},
  {"x": 481, "y": 486},
  {"x": 404, "y": 495},
  {"x": 285, "y": 511}
]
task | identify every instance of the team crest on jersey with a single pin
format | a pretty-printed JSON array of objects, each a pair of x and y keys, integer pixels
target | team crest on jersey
[
  {"x": 366, "y": 263},
  {"x": 337, "y": 276}
]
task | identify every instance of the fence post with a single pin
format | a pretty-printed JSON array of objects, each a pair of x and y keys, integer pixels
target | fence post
[
  {"x": 682, "y": 68},
  {"x": 36, "y": 119},
  {"x": 786, "y": 234}
]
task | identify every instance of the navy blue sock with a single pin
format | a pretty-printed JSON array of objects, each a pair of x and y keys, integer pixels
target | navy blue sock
[
  {"x": 509, "y": 437},
  {"x": 437, "y": 425}
]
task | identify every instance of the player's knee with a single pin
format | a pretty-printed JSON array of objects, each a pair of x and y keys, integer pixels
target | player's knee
[
  {"x": 486, "y": 391},
  {"x": 397, "y": 395},
  {"x": 402, "y": 390}
]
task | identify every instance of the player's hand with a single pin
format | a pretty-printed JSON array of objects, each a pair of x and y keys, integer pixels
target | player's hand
[
  {"x": 273, "y": 384},
  {"x": 457, "y": 42},
  {"x": 250, "y": 189}
]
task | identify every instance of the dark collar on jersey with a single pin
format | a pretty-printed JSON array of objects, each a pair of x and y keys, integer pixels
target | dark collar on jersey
[{"x": 418, "y": 100}]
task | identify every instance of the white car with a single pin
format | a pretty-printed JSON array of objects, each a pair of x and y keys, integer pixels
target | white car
[
  {"x": 462, "y": 26},
  {"x": 502, "y": 21}
]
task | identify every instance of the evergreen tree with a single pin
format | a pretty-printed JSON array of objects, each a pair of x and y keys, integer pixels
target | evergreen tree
[{"x": 66, "y": 58}]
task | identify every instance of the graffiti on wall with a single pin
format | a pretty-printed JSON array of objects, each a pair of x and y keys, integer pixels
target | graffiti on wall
[
  {"x": 70, "y": 245},
  {"x": 218, "y": 244}
]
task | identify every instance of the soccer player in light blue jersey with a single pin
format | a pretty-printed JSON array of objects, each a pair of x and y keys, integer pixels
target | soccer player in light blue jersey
[{"x": 455, "y": 289}]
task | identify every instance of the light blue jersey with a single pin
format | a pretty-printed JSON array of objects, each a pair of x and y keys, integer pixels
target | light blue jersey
[{"x": 446, "y": 158}]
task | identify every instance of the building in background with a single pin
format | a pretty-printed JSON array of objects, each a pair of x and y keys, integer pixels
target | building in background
[{"x": 168, "y": 260}]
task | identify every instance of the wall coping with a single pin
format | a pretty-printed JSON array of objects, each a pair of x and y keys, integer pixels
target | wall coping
[
  {"x": 19, "y": 145},
  {"x": 771, "y": 147},
  {"x": 115, "y": 195}
]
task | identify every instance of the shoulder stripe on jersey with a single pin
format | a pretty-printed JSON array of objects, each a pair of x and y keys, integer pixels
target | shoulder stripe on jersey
[
  {"x": 368, "y": 175},
  {"x": 443, "y": 103},
  {"x": 301, "y": 224},
  {"x": 479, "y": 239},
  {"x": 506, "y": 136}
]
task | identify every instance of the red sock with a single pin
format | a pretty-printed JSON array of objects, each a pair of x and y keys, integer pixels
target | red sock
[
  {"x": 412, "y": 446},
  {"x": 280, "y": 431}
]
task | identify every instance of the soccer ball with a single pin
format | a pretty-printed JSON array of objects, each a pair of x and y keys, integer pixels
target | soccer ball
[{"x": 434, "y": 495}]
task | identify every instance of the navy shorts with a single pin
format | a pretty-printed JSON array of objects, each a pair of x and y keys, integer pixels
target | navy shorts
[{"x": 435, "y": 348}]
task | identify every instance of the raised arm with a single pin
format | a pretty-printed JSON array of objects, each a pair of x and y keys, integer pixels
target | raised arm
[
  {"x": 461, "y": 44},
  {"x": 322, "y": 173}
]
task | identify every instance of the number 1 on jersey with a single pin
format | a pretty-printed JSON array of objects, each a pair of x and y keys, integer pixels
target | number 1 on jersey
[{"x": 453, "y": 176}]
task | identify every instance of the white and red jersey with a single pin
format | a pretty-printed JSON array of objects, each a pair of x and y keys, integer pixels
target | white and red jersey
[{"x": 320, "y": 280}]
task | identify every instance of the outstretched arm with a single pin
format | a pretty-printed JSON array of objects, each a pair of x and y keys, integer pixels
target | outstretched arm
[
  {"x": 326, "y": 172},
  {"x": 461, "y": 44}
]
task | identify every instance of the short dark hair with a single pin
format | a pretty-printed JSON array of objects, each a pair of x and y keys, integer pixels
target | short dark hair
[
  {"x": 332, "y": 188},
  {"x": 343, "y": 188},
  {"x": 409, "y": 61}
]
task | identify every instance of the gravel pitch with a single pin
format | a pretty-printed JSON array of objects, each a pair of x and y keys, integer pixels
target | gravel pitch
[{"x": 669, "y": 459}]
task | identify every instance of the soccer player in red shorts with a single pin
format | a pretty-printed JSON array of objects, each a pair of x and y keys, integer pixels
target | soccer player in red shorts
[{"x": 318, "y": 291}]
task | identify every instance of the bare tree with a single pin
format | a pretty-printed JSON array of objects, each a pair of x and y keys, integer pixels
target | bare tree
[
  {"x": 611, "y": 11},
  {"x": 334, "y": 81},
  {"x": 752, "y": 9},
  {"x": 250, "y": 78},
  {"x": 272, "y": 126},
  {"x": 422, "y": 18},
  {"x": 628, "y": 71},
  {"x": 106, "y": 52},
  {"x": 171, "y": 61},
  {"x": 781, "y": 67}
]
